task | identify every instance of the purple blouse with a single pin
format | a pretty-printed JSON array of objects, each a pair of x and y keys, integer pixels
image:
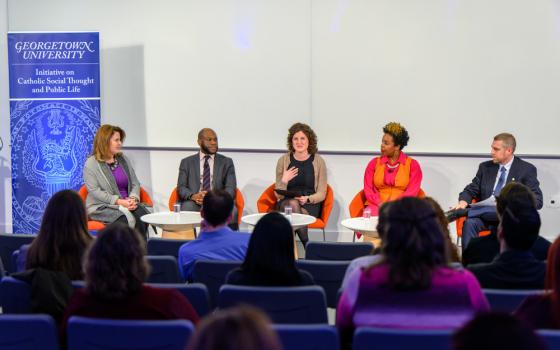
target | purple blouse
[
  {"x": 452, "y": 299},
  {"x": 122, "y": 180}
]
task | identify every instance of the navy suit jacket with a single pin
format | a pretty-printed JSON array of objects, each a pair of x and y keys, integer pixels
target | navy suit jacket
[{"x": 482, "y": 185}]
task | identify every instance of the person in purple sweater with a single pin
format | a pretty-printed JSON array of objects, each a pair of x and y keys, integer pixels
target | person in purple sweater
[
  {"x": 411, "y": 286},
  {"x": 113, "y": 188}
]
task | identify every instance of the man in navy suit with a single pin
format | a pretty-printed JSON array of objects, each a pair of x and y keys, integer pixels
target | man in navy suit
[
  {"x": 204, "y": 171},
  {"x": 490, "y": 178}
]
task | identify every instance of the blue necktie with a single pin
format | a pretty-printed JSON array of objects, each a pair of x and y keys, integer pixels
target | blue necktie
[
  {"x": 501, "y": 182},
  {"x": 206, "y": 174}
]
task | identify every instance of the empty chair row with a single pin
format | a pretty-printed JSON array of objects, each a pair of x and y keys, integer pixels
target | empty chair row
[{"x": 26, "y": 332}]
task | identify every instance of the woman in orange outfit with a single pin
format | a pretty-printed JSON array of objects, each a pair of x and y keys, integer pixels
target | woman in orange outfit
[{"x": 392, "y": 175}]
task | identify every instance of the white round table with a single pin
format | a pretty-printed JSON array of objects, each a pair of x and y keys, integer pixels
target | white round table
[
  {"x": 367, "y": 227},
  {"x": 297, "y": 220},
  {"x": 173, "y": 222}
]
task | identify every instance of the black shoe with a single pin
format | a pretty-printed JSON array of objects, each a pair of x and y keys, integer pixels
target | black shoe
[{"x": 454, "y": 214}]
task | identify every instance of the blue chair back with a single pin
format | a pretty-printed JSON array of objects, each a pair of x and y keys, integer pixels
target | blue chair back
[
  {"x": 551, "y": 337},
  {"x": 10, "y": 242},
  {"x": 164, "y": 269},
  {"x": 95, "y": 334},
  {"x": 212, "y": 274},
  {"x": 28, "y": 332},
  {"x": 401, "y": 339},
  {"x": 308, "y": 337},
  {"x": 337, "y": 250},
  {"x": 296, "y": 305},
  {"x": 327, "y": 274},
  {"x": 15, "y": 296},
  {"x": 196, "y": 293},
  {"x": 164, "y": 246},
  {"x": 505, "y": 300}
]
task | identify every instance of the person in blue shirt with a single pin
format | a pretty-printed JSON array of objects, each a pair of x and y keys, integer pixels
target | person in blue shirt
[{"x": 216, "y": 240}]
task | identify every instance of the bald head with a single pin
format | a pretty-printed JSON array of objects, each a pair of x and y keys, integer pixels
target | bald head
[{"x": 208, "y": 141}]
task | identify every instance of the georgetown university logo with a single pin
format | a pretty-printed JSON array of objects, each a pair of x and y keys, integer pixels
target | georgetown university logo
[{"x": 50, "y": 143}]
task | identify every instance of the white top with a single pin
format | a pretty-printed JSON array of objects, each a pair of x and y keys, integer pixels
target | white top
[
  {"x": 361, "y": 224},
  {"x": 297, "y": 220},
  {"x": 170, "y": 221}
]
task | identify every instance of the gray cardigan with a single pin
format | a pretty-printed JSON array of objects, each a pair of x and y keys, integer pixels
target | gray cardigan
[{"x": 103, "y": 191}]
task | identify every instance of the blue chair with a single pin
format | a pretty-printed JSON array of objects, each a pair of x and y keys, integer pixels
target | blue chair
[
  {"x": 337, "y": 250},
  {"x": 28, "y": 332},
  {"x": 10, "y": 242},
  {"x": 212, "y": 274},
  {"x": 308, "y": 337},
  {"x": 506, "y": 300},
  {"x": 96, "y": 334},
  {"x": 15, "y": 296},
  {"x": 401, "y": 339},
  {"x": 551, "y": 337},
  {"x": 164, "y": 269},
  {"x": 163, "y": 246},
  {"x": 327, "y": 274},
  {"x": 297, "y": 305},
  {"x": 197, "y": 293}
]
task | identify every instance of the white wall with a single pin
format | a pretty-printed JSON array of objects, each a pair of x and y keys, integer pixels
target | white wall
[
  {"x": 444, "y": 178},
  {"x": 435, "y": 65}
]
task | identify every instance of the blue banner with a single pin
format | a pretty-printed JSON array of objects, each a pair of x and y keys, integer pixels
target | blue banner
[{"x": 54, "y": 114}]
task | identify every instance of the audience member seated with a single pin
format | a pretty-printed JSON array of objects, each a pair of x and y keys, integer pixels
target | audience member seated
[
  {"x": 496, "y": 331},
  {"x": 113, "y": 188},
  {"x": 54, "y": 258},
  {"x": 485, "y": 249},
  {"x": 515, "y": 267},
  {"x": 412, "y": 286},
  {"x": 543, "y": 311},
  {"x": 216, "y": 240},
  {"x": 393, "y": 175},
  {"x": 303, "y": 172},
  {"x": 270, "y": 259},
  {"x": 235, "y": 328},
  {"x": 381, "y": 225},
  {"x": 376, "y": 257},
  {"x": 115, "y": 270},
  {"x": 442, "y": 219}
]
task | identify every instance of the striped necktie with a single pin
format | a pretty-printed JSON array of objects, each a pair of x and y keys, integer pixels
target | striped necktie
[
  {"x": 501, "y": 181},
  {"x": 206, "y": 174}
]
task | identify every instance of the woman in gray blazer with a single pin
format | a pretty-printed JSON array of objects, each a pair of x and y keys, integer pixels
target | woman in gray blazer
[{"x": 113, "y": 188}]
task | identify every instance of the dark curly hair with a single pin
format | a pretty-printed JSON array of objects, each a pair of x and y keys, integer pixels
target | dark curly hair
[
  {"x": 398, "y": 132},
  {"x": 306, "y": 129},
  {"x": 413, "y": 244},
  {"x": 115, "y": 267}
]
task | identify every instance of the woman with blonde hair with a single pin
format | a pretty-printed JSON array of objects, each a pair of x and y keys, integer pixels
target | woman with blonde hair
[{"x": 113, "y": 188}]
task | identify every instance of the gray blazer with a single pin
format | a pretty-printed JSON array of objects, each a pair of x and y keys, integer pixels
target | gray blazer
[
  {"x": 103, "y": 191},
  {"x": 223, "y": 176}
]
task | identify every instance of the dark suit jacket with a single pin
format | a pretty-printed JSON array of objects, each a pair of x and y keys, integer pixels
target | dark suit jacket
[
  {"x": 482, "y": 185},
  {"x": 511, "y": 270},
  {"x": 485, "y": 249},
  {"x": 223, "y": 176}
]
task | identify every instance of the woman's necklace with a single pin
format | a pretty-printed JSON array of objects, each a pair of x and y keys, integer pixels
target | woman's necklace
[{"x": 113, "y": 165}]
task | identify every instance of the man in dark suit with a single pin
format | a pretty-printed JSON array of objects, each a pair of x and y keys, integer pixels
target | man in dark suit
[
  {"x": 490, "y": 178},
  {"x": 204, "y": 171}
]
